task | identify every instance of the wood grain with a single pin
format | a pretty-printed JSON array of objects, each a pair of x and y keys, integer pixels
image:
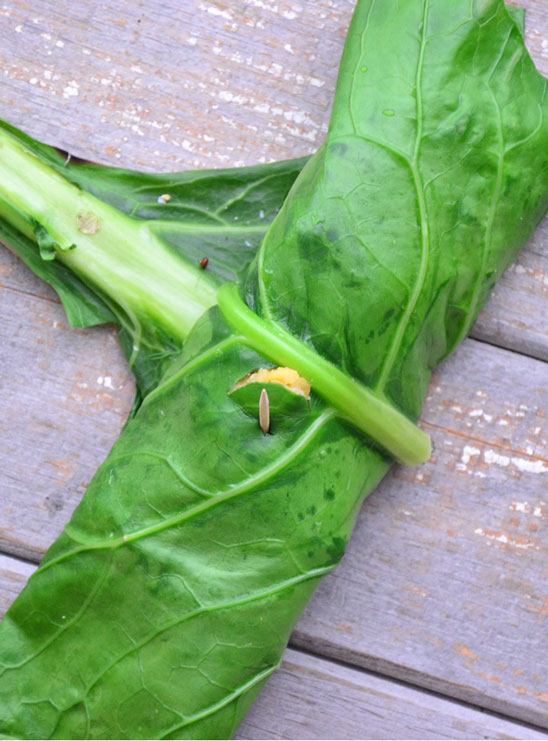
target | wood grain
[
  {"x": 443, "y": 585},
  {"x": 360, "y": 705},
  {"x": 64, "y": 396},
  {"x": 13, "y": 576},
  {"x": 210, "y": 83},
  {"x": 310, "y": 698}
]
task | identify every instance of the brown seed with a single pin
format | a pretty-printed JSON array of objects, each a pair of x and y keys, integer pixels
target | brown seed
[
  {"x": 204, "y": 262},
  {"x": 264, "y": 412}
]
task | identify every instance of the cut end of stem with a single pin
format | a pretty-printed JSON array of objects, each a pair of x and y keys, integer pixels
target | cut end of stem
[{"x": 121, "y": 258}]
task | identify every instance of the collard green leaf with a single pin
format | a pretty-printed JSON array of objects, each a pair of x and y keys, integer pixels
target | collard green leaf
[
  {"x": 190, "y": 559},
  {"x": 167, "y": 601},
  {"x": 433, "y": 176},
  {"x": 219, "y": 214},
  {"x": 518, "y": 15}
]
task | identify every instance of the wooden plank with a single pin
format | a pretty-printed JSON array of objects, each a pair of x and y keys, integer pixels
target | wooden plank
[
  {"x": 13, "y": 576},
  {"x": 64, "y": 396},
  {"x": 476, "y": 632},
  {"x": 443, "y": 583},
  {"x": 161, "y": 85},
  {"x": 516, "y": 316},
  {"x": 312, "y": 698}
]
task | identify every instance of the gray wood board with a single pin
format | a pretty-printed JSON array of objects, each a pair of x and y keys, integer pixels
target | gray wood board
[
  {"x": 311, "y": 698},
  {"x": 210, "y": 83},
  {"x": 160, "y": 86},
  {"x": 443, "y": 584}
]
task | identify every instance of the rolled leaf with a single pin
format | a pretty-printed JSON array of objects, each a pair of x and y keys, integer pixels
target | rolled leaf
[{"x": 168, "y": 600}]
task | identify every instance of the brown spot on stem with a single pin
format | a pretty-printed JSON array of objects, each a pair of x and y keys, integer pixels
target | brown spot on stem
[{"x": 88, "y": 223}]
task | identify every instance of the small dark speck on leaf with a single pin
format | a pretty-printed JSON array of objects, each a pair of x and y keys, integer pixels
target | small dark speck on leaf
[
  {"x": 204, "y": 262},
  {"x": 336, "y": 549},
  {"x": 339, "y": 148},
  {"x": 329, "y": 494}
]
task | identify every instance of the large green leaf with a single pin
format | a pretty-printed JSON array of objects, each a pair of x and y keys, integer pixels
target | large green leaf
[
  {"x": 413, "y": 208},
  {"x": 169, "y": 598},
  {"x": 173, "y": 589},
  {"x": 219, "y": 214}
]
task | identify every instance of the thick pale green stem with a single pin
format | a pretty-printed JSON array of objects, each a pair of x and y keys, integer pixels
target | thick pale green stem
[
  {"x": 367, "y": 411},
  {"x": 155, "y": 288},
  {"x": 120, "y": 256}
]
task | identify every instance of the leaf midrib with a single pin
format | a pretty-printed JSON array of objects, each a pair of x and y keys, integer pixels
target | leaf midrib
[
  {"x": 216, "y": 499},
  {"x": 403, "y": 323}
]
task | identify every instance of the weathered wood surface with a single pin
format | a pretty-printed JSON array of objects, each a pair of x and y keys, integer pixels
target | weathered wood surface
[
  {"x": 64, "y": 396},
  {"x": 516, "y": 316},
  {"x": 442, "y": 583},
  {"x": 310, "y": 698},
  {"x": 13, "y": 576},
  {"x": 313, "y": 698},
  {"x": 209, "y": 83}
]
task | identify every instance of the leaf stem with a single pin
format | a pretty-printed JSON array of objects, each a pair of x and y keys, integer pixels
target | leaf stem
[
  {"x": 120, "y": 257},
  {"x": 369, "y": 412}
]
